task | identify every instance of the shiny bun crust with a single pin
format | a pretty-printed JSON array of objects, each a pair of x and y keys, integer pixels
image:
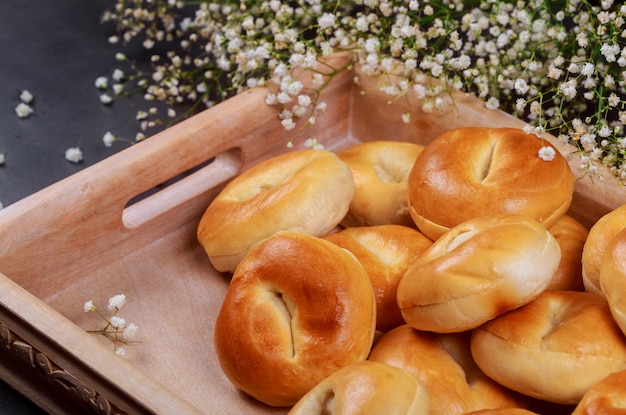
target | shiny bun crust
[
  {"x": 475, "y": 171},
  {"x": 571, "y": 236},
  {"x": 298, "y": 308},
  {"x": 554, "y": 348},
  {"x": 444, "y": 364},
  {"x": 606, "y": 397},
  {"x": 502, "y": 411},
  {"x": 385, "y": 251},
  {"x": 613, "y": 278},
  {"x": 306, "y": 191},
  {"x": 599, "y": 237},
  {"x": 366, "y": 388},
  {"x": 380, "y": 170},
  {"x": 477, "y": 271}
]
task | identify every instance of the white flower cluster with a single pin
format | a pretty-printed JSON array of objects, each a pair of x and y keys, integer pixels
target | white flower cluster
[
  {"x": 116, "y": 329},
  {"x": 24, "y": 108},
  {"x": 560, "y": 68}
]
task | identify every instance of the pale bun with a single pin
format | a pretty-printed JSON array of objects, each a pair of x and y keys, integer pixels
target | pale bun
[
  {"x": 297, "y": 309},
  {"x": 306, "y": 191},
  {"x": 571, "y": 236},
  {"x": 366, "y": 388},
  {"x": 444, "y": 364},
  {"x": 476, "y": 271},
  {"x": 554, "y": 349},
  {"x": 385, "y": 251},
  {"x": 600, "y": 234},
  {"x": 607, "y": 397},
  {"x": 476, "y": 171},
  {"x": 613, "y": 277},
  {"x": 380, "y": 170}
]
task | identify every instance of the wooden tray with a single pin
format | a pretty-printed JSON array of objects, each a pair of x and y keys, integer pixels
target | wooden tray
[{"x": 81, "y": 239}]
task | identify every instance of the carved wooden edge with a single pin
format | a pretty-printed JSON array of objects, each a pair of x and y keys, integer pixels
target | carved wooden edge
[{"x": 36, "y": 359}]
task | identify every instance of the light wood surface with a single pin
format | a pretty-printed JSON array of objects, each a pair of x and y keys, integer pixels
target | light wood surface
[{"x": 78, "y": 240}]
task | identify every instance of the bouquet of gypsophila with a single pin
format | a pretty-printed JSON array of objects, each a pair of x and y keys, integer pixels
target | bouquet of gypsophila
[{"x": 558, "y": 65}]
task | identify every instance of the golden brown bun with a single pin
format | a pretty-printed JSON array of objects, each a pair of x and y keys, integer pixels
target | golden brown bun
[
  {"x": 472, "y": 172},
  {"x": 571, "y": 236},
  {"x": 599, "y": 237},
  {"x": 298, "y": 308},
  {"x": 380, "y": 170},
  {"x": 385, "y": 252},
  {"x": 554, "y": 348},
  {"x": 607, "y": 397},
  {"x": 477, "y": 271},
  {"x": 613, "y": 277},
  {"x": 501, "y": 411},
  {"x": 366, "y": 388},
  {"x": 444, "y": 364},
  {"x": 306, "y": 191}
]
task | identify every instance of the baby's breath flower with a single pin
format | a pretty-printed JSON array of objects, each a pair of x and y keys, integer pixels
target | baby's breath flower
[
  {"x": 74, "y": 154},
  {"x": 130, "y": 331},
  {"x": 117, "y": 322},
  {"x": 116, "y": 302},
  {"x": 89, "y": 306},
  {"x": 106, "y": 99},
  {"x": 101, "y": 82},
  {"x": 108, "y": 139},
  {"x": 23, "y": 110},
  {"x": 546, "y": 153},
  {"x": 517, "y": 56},
  {"x": 26, "y": 97}
]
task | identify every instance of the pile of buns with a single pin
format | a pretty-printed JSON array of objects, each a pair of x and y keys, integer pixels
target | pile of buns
[{"x": 439, "y": 279}]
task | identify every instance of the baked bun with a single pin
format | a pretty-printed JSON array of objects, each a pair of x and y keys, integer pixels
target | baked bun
[
  {"x": 385, "y": 251},
  {"x": 613, "y": 277},
  {"x": 554, "y": 348},
  {"x": 297, "y": 309},
  {"x": 366, "y": 388},
  {"x": 477, "y": 271},
  {"x": 502, "y": 411},
  {"x": 571, "y": 236},
  {"x": 306, "y": 191},
  {"x": 444, "y": 364},
  {"x": 476, "y": 171},
  {"x": 599, "y": 237},
  {"x": 606, "y": 397},
  {"x": 380, "y": 170}
]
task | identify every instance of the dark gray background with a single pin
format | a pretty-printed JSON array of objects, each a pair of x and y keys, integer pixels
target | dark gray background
[{"x": 55, "y": 49}]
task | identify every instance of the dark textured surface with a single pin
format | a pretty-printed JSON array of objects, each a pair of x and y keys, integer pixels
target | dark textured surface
[{"x": 55, "y": 50}]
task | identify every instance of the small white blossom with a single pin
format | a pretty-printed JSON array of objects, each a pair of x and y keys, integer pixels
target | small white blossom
[
  {"x": 117, "y": 322},
  {"x": 23, "y": 110},
  {"x": 116, "y": 302},
  {"x": 521, "y": 87},
  {"x": 106, "y": 99},
  {"x": 546, "y": 153},
  {"x": 26, "y": 97},
  {"x": 118, "y": 75},
  {"x": 120, "y": 351},
  {"x": 493, "y": 103},
  {"x": 130, "y": 331},
  {"x": 326, "y": 21},
  {"x": 74, "y": 154},
  {"x": 108, "y": 139},
  {"x": 89, "y": 306},
  {"x": 288, "y": 124}
]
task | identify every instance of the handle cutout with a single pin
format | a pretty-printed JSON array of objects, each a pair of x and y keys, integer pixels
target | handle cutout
[{"x": 182, "y": 188}]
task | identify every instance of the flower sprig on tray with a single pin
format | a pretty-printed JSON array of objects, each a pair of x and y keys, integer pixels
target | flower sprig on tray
[
  {"x": 115, "y": 327},
  {"x": 559, "y": 65}
]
